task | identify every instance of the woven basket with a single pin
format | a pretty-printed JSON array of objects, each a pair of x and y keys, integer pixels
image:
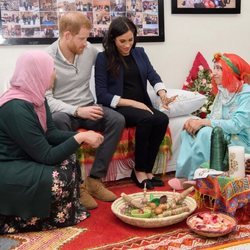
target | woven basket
[
  {"x": 119, "y": 204},
  {"x": 211, "y": 234}
]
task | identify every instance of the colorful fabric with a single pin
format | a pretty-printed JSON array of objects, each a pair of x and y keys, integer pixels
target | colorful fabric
[
  {"x": 51, "y": 239},
  {"x": 66, "y": 209},
  {"x": 176, "y": 236},
  {"x": 235, "y": 123},
  {"x": 99, "y": 232},
  {"x": 125, "y": 148},
  {"x": 233, "y": 116},
  {"x": 231, "y": 65},
  {"x": 225, "y": 194},
  {"x": 235, "y": 70}
]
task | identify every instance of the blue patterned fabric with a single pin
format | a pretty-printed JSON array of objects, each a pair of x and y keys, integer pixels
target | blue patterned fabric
[{"x": 235, "y": 122}]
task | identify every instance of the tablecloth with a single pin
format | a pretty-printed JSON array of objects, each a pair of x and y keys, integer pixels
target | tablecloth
[{"x": 225, "y": 194}]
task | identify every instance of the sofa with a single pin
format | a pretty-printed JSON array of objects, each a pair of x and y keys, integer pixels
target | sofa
[{"x": 122, "y": 162}]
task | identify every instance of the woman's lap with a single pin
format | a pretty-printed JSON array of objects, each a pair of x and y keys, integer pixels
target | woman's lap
[
  {"x": 65, "y": 207},
  {"x": 135, "y": 116},
  {"x": 193, "y": 152}
]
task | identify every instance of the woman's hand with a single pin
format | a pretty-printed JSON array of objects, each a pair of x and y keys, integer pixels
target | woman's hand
[
  {"x": 89, "y": 137},
  {"x": 192, "y": 126},
  {"x": 141, "y": 105},
  {"x": 165, "y": 100},
  {"x": 135, "y": 104}
]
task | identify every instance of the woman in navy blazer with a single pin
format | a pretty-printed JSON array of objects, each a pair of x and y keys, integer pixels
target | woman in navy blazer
[{"x": 121, "y": 75}]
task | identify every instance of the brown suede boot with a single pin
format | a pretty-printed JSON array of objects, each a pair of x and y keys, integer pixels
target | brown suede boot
[
  {"x": 86, "y": 199},
  {"x": 96, "y": 188}
]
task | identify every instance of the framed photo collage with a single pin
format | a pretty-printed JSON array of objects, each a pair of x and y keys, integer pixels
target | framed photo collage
[{"x": 36, "y": 21}]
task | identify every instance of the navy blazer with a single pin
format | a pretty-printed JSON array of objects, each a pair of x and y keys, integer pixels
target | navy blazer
[{"x": 106, "y": 86}]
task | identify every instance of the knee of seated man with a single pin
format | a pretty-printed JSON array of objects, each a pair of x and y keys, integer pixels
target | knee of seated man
[
  {"x": 120, "y": 120},
  {"x": 116, "y": 119},
  {"x": 62, "y": 121}
]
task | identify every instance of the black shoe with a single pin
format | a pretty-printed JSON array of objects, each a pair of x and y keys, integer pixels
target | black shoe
[
  {"x": 149, "y": 184},
  {"x": 157, "y": 182}
]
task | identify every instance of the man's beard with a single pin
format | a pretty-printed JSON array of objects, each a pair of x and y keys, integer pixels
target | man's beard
[{"x": 75, "y": 50}]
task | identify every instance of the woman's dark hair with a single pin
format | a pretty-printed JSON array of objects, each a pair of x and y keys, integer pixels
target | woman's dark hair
[{"x": 119, "y": 26}]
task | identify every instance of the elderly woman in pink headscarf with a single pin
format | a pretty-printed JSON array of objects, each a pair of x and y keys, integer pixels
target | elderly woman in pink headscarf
[{"x": 39, "y": 184}]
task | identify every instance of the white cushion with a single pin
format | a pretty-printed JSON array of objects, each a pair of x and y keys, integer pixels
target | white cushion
[{"x": 186, "y": 103}]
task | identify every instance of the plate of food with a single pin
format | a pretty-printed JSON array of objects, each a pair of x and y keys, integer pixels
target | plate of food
[
  {"x": 154, "y": 209},
  {"x": 211, "y": 224}
]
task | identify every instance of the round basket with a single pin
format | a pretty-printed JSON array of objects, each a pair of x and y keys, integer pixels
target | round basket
[
  {"x": 119, "y": 204},
  {"x": 207, "y": 233}
]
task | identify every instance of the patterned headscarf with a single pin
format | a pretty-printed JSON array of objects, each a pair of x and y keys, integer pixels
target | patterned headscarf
[
  {"x": 235, "y": 72},
  {"x": 30, "y": 81}
]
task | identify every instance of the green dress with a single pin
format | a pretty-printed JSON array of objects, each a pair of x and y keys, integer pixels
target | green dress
[{"x": 31, "y": 161}]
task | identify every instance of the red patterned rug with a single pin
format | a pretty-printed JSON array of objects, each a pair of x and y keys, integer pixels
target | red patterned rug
[{"x": 103, "y": 230}]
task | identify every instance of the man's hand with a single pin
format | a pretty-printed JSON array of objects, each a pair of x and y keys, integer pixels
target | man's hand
[{"x": 94, "y": 112}]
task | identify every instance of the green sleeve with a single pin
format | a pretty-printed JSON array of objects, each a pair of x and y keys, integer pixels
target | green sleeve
[
  {"x": 54, "y": 135},
  {"x": 24, "y": 128}
]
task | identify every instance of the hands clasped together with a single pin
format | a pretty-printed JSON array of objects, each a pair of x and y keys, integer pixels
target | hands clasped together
[
  {"x": 89, "y": 137},
  {"x": 193, "y": 125}
]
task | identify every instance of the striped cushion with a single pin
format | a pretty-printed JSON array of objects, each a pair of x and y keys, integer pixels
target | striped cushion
[{"x": 125, "y": 148}]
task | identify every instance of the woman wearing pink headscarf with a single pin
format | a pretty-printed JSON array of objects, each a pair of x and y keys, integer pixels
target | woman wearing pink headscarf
[{"x": 39, "y": 184}]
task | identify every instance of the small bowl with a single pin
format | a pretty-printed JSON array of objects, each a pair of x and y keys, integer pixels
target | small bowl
[
  {"x": 119, "y": 204},
  {"x": 212, "y": 233}
]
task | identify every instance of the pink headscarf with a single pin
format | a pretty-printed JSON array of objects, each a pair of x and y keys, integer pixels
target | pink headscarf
[{"x": 31, "y": 79}]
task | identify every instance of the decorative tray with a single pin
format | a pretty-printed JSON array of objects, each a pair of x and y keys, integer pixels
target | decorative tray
[{"x": 150, "y": 218}]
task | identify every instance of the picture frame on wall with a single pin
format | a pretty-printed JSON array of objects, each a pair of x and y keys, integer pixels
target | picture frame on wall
[
  {"x": 36, "y": 21},
  {"x": 206, "y": 6}
]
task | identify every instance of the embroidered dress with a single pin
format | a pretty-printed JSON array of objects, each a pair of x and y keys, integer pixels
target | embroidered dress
[
  {"x": 65, "y": 207},
  {"x": 231, "y": 113}
]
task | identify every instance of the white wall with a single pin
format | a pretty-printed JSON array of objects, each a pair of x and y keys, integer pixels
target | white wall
[{"x": 185, "y": 35}]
